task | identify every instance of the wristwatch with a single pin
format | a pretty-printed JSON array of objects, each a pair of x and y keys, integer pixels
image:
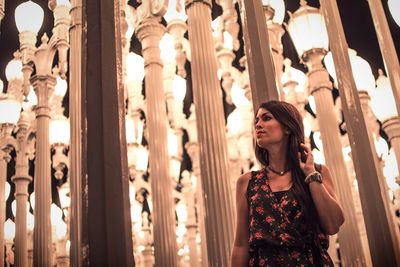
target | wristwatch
[{"x": 313, "y": 177}]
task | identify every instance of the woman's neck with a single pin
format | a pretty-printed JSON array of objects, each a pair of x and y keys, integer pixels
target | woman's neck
[{"x": 277, "y": 158}]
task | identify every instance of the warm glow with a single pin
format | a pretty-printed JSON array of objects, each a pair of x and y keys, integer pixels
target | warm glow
[
  {"x": 175, "y": 11},
  {"x": 55, "y": 214},
  {"x": 63, "y": 192},
  {"x": 30, "y": 221},
  {"x": 134, "y": 130},
  {"x": 59, "y": 130},
  {"x": 390, "y": 170},
  {"x": 238, "y": 96},
  {"x": 134, "y": 67},
  {"x": 318, "y": 156},
  {"x": 382, "y": 99},
  {"x": 293, "y": 75},
  {"x": 235, "y": 122},
  {"x": 136, "y": 212},
  {"x": 181, "y": 211},
  {"x": 179, "y": 88},
  {"x": 29, "y": 17},
  {"x": 382, "y": 148},
  {"x": 228, "y": 40},
  {"x": 317, "y": 140},
  {"x": 175, "y": 168},
  {"x": 307, "y": 29},
  {"x": 143, "y": 158},
  {"x": 32, "y": 200},
  {"x": 61, "y": 229},
  {"x": 14, "y": 70},
  {"x": 279, "y": 8},
  {"x": 362, "y": 72},
  {"x": 7, "y": 190},
  {"x": 31, "y": 100},
  {"x": 1, "y": 86},
  {"x": 311, "y": 102},
  {"x": 172, "y": 143},
  {"x": 394, "y": 8},
  {"x": 9, "y": 230},
  {"x": 63, "y": 3},
  {"x": 10, "y": 109},
  {"x": 61, "y": 87},
  {"x": 167, "y": 48}
]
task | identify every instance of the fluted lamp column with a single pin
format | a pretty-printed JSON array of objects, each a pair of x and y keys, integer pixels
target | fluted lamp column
[
  {"x": 308, "y": 32},
  {"x": 43, "y": 82},
  {"x": 9, "y": 113},
  {"x": 274, "y": 11},
  {"x": 211, "y": 133},
  {"x": 21, "y": 178},
  {"x": 149, "y": 31},
  {"x": 365, "y": 83}
]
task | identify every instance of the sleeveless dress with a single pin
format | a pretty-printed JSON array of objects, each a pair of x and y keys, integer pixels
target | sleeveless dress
[{"x": 278, "y": 231}]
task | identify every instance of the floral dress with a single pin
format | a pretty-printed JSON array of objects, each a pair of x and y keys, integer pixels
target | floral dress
[{"x": 278, "y": 231}]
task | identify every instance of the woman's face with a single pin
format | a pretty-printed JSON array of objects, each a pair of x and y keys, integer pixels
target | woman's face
[{"x": 268, "y": 130}]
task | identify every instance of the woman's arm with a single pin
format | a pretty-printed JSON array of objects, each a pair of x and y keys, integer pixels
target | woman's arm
[
  {"x": 329, "y": 210},
  {"x": 240, "y": 251}
]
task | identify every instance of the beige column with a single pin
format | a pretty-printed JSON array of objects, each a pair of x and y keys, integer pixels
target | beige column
[
  {"x": 21, "y": 180},
  {"x": 260, "y": 61},
  {"x": 387, "y": 47},
  {"x": 42, "y": 246},
  {"x": 78, "y": 135},
  {"x": 320, "y": 87},
  {"x": 211, "y": 134},
  {"x": 149, "y": 31},
  {"x": 378, "y": 216}
]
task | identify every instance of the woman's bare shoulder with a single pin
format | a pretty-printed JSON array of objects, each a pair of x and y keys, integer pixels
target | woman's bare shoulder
[{"x": 244, "y": 179}]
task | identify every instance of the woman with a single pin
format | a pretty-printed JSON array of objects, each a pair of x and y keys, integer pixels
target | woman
[{"x": 286, "y": 210}]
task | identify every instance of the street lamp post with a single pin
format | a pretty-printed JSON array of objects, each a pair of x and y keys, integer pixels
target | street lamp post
[
  {"x": 9, "y": 114},
  {"x": 308, "y": 32},
  {"x": 2, "y": 2},
  {"x": 43, "y": 82}
]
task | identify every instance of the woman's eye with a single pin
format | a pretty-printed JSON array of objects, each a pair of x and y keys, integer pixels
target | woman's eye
[{"x": 265, "y": 118}]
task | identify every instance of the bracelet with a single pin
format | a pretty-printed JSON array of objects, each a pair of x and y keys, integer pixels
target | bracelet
[{"x": 315, "y": 176}]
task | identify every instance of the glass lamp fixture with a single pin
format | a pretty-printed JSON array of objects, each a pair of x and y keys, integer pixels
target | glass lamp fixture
[
  {"x": 279, "y": 9},
  {"x": 293, "y": 75},
  {"x": 181, "y": 212},
  {"x": 238, "y": 95},
  {"x": 362, "y": 72},
  {"x": 61, "y": 229},
  {"x": 61, "y": 87},
  {"x": 307, "y": 29},
  {"x": 228, "y": 40},
  {"x": 1, "y": 86},
  {"x": 30, "y": 221},
  {"x": 390, "y": 170},
  {"x": 63, "y": 192},
  {"x": 32, "y": 200},
  {"x": 9, "y": 230},
  {"x": 7, "y": 190},
  {"x": 235, "y": 122},
  {"x": 172, "y": 144},
  {"x": 382, "y": 100},
  {"x": 29, "y": 17},
  {"x": 143, "y": 159},
  {"x": 134, "y": 130},
  {"x": 59, "y": 130},
  {"x": 63, "y": 3},
  {"x": 31, "y": 100},
  {"x": 55, "y": 214},
  {"x": 134, "y": 67},
  {"x": 175, "y": 11},
  {"x": 14, "y": 70},
  {"x": 10, "y": 109},
  {"x": 179, "y": 88},
  {"x": 167, "y": 48},
  {"x": 394, "y": 8}
]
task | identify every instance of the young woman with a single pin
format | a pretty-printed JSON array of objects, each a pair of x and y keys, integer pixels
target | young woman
[{"x": 286, "y": 210}]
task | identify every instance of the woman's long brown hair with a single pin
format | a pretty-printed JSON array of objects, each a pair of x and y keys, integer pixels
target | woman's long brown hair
[{"x": 289, "y": 117}]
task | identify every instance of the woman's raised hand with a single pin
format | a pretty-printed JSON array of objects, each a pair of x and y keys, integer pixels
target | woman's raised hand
[{"x": 306, "y": 166}]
